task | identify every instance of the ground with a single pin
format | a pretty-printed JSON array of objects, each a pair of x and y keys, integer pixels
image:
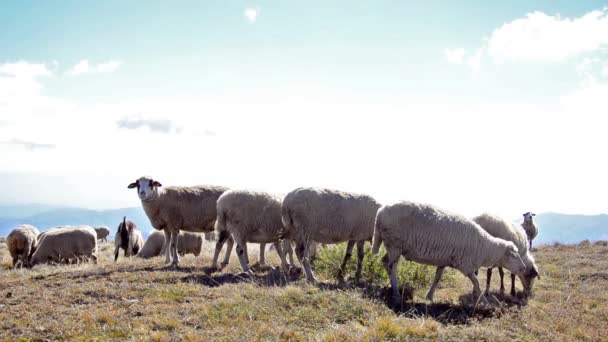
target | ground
[{"x": 143, "y": 300}]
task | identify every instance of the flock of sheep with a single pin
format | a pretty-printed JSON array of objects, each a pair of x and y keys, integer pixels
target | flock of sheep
[{"x": 305, "y": 216}]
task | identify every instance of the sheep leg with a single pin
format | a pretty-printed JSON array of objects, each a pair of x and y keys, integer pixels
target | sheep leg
[
  {"x": 281, "y": 253},
  {"x": 488, "y": 279},
  {"x": 241, "y": 251},
  {"x": 228, "y": 251},
  {"x": 167, "y": 246},
  {"x": 438, "y": 274},
  {"x": 223, "y": 236},
  {"x": 116, "y": 250},
  {"x": 476, "y": 289},
  {"x": 174, "y": 254},
  {"x": 288, "y": 250},
  {"x": 360, "y": 255},
  {"x": 262, "y": 250},
  {"x": 513, "y": 293},
  {"x": 302, "y": 254},
  {"x": 390, "y": 262},
  {"x": 502, "y": 279},
  {"x": 349, "y": 252},
  {"x": 15, "y": 261}
]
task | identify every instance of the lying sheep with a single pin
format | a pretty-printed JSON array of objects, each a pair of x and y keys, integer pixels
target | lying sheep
[
  {"x": 127, "y": 237},
  {"x": 502, "y": 229},
  {"x": 328, "y": 216},
  {"x": 102, "y": 233},
  {"x": 428, "y": 235},
  {"x": 21, "y": 243},
  {"x": 250, "y": 217},
  {"x": 529, "y": 226},
  {"x": 178, "y": 208},
  {"x": 66, "y": 243},
  {"x": 188, "y": 243}
]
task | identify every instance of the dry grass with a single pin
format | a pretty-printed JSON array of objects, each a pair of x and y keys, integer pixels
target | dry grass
[{"x": 142, "y": 300}]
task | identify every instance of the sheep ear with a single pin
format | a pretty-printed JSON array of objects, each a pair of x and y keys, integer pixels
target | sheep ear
[
  {"x": 132, "y": 185},
  {"x": 156, "y": 183}
]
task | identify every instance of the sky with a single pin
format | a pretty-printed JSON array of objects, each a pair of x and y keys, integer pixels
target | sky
[{"x": 497, "y": 108}]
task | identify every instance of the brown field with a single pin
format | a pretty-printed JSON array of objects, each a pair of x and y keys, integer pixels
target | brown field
[{"x": 142, "y": 300}]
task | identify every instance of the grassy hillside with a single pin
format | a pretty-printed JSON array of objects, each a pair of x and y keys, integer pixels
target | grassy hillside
[{"x": 142, "y": 300}]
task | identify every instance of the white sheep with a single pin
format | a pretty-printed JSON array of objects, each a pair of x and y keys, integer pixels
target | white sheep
[
  {"x": 102, "y": 233},
  {"x": 328, "y": 216},
  {"x": 500, "y": 228},
  {"x": 66, "y": 243},
  {"x": 127, "y": 238},
  {"x": 250, "y": 216},
  {"x": 176, "y": 208},
  {"x": 187, "y": 243},
  {"x": 529, "y": 226},
  {"x": 428, "y": 235},
  {"x": 21, "y": 243}
]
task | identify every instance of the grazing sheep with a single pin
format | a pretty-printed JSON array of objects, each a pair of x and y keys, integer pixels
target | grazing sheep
[
  {"x": 128, "y": 238},
  {"x": 250, "y": 216},
  {"x": 428, "y": 235},
  {"x": 21, "y": 243},
  {"x": 187, "y": 243},
  {"x": 530, "y": 227},
  {"x": 328, "y": 216},
  {"x": 178, "y": 208},
  {"x": 102, "y": 233},
  {"x": 66, "y": 243},
  {"x": 502, "y": 229}
]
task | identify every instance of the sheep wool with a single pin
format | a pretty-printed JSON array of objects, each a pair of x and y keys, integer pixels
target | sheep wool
[{"x": 65, "y": 243}]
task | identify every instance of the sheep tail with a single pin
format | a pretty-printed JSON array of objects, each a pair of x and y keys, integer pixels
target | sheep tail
[
  {"x": 220, "y": 221},
  {"x": 377, "y": 240},
  {"x": 287, "y": 219}
]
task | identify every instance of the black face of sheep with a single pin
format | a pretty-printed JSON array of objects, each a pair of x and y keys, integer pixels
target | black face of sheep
[{"x": 146, "y": 187}]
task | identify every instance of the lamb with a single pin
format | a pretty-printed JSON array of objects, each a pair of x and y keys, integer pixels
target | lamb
[
  {"x": 530, "y": 227},
  {"x": 500, "y": 228},
  {"x": 178, "y": 208},
  {"x": 328, "y": 216},
  {"x": 128, "y": 238},
  {"x": 21, "y": 243},
  {"x": 187, "y": 243},
  {"x": 65, "y": 243},
  {"x": 428, "y": 235},
  {"x": 250, "y": 217},
  {"x": 102, "y": 233}
]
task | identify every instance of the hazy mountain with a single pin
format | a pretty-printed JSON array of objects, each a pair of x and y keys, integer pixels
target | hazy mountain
[
  {"x": 74, "y": 216},
  {"x": 553, "y": 227}
]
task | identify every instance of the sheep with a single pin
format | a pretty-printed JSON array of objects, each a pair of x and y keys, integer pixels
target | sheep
[
  {"x": 102, "y": 233},
  {"x": 65, "y": 243},
  {"x": 128, "y": 238},
  {"x": 250, "y": 217},
  {"x": 187, "y": 243},
  {"x": 429, "y": 235},
  {"x": 530, "y": 227},
  {"x": 329, "y": 216},
  {"x": 500, "y": 228},
  {"x": 178, "y": 208},
  {"x": 21, "y": 243}
]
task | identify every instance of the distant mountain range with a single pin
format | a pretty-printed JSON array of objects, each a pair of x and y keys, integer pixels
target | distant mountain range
[
  {"x": 553, "y": 227},
  {"x": 44, "y": 217}
]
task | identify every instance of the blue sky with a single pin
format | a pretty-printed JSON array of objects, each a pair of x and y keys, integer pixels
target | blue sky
[{"x": 474, "y": 108}]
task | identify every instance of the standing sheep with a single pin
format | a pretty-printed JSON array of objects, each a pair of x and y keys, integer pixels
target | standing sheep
[
  {"x": 328, "y": 216},
  {"x": 102, "y": 233},
  {"x": 128, "y": 238},
  {"x": 502, "y": 229},
  {"x": 176, "y": 208},
  {"x": 21, "y": 243},
  {"x": 428, "y": 235},
  {"x": 66, "y": 243},
  {"x": 250, "y": 217},
  {"x": 530, "y": 227}
]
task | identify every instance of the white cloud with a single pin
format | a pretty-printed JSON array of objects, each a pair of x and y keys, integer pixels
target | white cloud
[
  {"x": 84, "y": 67},
  {"x": 251, "y": 14},
  {"x": 455, "y": 56},
  {"x": 545, "y": 38}
]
